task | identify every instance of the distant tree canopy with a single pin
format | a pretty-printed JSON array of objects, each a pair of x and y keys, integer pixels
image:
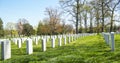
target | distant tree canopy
[
  {"x": 44, "y": 28},
  {"x": 10, "y": 29},
  {"x": 52, "y": 24},
  {"x": 28, "y": 30},
  {"x": 54, "y": 19},
  {"x": 1, "y": 28}
]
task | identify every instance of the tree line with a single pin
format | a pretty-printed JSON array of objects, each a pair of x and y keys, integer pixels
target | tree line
[
  {"x": 50, "y": 25},
  {"x": 88, "y": 16}
]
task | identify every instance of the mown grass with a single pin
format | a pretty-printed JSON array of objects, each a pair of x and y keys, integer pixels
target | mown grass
[{"x": 90, "y": 49}]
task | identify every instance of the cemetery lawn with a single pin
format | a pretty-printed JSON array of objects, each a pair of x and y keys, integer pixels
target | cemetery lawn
[{"x": 91, "y": 49}]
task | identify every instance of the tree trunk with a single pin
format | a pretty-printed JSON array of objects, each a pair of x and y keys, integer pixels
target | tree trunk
[
  {"x": 113, "y": 9},
  {"x": 111, "y": 23},
  {"x": 97, "y": 19},
  {"x": 85, "y": 18},
  {"x": 80, "y": 30},
  {"x": 102, "y": 16},
  {"x": 91, "y": 27},
  {"x": 77, "y": 17}
]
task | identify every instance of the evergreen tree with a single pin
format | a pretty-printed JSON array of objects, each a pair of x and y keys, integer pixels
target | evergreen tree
[
  {"x": 1, "y": 28},
  {"x": 39, "y": 28},
  {"x": 28, "y": 30}
]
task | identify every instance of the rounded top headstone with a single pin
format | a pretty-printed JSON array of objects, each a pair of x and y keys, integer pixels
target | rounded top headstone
[{"x": 112, "y": 32}]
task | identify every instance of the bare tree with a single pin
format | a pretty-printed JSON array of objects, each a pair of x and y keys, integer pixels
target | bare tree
[
  {"x": 11, "y": 27},
  {"x": 68, "y": 28},
  {"x": 96, "y": 10},
  {"x": 91, "y": 18},
  {"x": 104, "y": 10},
  {"x": 53, "y": 18},
  {"x": 20, "y": 25},
  {"x": 102, "y": 7},
  {"x": 112, "y": 7},
  {"x": 87, "y": 9},
  {"x": 73, "y": 8}
]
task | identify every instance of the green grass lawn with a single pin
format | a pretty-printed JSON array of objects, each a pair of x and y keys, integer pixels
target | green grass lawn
[{"x": 90, "y": 49}]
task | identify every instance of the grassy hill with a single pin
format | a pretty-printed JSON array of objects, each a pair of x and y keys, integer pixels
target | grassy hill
[{"x": 90, "y": 49}]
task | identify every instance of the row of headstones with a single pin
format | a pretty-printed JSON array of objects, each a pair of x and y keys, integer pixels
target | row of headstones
[
  {"x": 109, "y": 39},
  {"x": 19, "y": 41},
  {"x": 6, "y": 43}
]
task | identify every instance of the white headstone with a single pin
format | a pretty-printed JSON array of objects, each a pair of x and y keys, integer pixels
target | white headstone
[
  {"x": 29, "y": 46},
  {"x": 59, "y": 41},
  {"x": 15, "y": 41},
  {"x": 72, "y": 37},
  {"x": 36, "y": 41},
  {"x": 43, "y": 44},
  {"x": 22, "y": 40},
  {"x": 38, "y": 37},
  {"x": 53, "y": 42},
  {"x": 46, "y": 38},
  {"x": 65, "y": 40},
  {"x": 33, "y": 38},
  {"x": 68, "y": 39},
  {"x": 5, "y": 49},
  {"x": 108, "y": 39},
  {"x": 112, "y": 40},
  {"x": 19, "y": 43}
]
